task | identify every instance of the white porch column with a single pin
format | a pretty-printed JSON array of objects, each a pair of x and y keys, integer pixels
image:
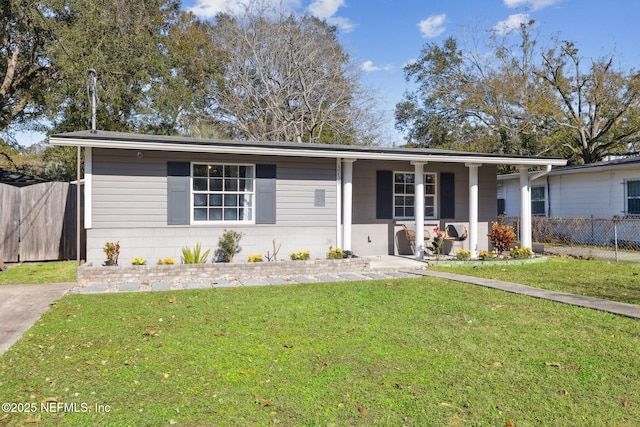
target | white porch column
[
  {"x": 525, "y": 208},
  {"x": 347, "y": 202},
  {"x": 339, "y": 203},
  {"x": 419, "y": 208},
  {"x": 473, "y": 208}
]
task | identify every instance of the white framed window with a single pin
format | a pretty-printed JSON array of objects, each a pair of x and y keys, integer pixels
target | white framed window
[
  {"x": 538, "y": 201},
  {"x": 404, "y": 195},
  {"x": 633, "y": 197},
  {"x": 222, "y": 192}
]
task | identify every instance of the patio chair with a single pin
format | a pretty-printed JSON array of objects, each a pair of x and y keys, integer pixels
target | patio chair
[
  {"x": 410, "y": 235},
  {"x": 450, "y": 233}
]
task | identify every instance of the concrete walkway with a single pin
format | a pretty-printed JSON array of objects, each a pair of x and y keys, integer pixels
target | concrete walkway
[
  {"x": 623, "y": 309},
  {"x": 22, "y": 305}
]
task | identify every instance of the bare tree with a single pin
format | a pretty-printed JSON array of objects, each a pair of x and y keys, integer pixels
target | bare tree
[
  {"x": 599, "y": 107},
  {"x": 287, "y": 78}
]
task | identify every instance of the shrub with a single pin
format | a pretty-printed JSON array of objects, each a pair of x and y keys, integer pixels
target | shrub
[
  {"x": 195, "y": 255},
  {"x": 166, "y": 261},
  {"x": 335, "y": 253},
  {"x": 501, "y": 236},
  {"x": 300, "y": 255},
  {"x": 256, "y": 258},
  {"x": 486, "y": 254},
  {"x": 112, "y": 250},
  {"x": 229, "y": 245},
  {"x": 463, "y": 254},
  {"x": 523, "y": 252},
  {"x": 138, "y": 261}
]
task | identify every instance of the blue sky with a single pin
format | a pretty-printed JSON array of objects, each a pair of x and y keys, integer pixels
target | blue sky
[{"x": 383, "y": 35}]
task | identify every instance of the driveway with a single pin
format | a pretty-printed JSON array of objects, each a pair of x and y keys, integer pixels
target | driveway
[{"x": 22, "y": 305}]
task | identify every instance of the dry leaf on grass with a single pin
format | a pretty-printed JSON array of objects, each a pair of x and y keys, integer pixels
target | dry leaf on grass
[
  {"x": 553, "y": 364},
  {"x": 626, "y": 403},
  {"x": 363, "y": 411},
  {"x": 493, "y": 365}
]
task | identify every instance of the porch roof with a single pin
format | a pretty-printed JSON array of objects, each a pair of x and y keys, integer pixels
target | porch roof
[{"x": 129, "y": 141}]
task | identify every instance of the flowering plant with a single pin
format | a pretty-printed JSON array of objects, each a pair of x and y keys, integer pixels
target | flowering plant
[
  {"x": 138, "y": 261},
  {"x": 335, "y": 253},
  {"x": 463, "y": 254},
  {"x": 501, "y": 236},
  {"x": 486, "y": 254},
  {"x": 166, "y": 261},
  {"x": 438, "y": 240},
  {"x": 300, "y": 255},
  {"x": 256, "y": 258},
  {"x": 523, "y": 252}
]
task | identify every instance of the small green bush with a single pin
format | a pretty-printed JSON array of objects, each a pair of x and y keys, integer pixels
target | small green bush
[
  {"x": 195, "y": 255},
  {"x": 229, "y": 245},
  {"x": 300, "y": 255}
]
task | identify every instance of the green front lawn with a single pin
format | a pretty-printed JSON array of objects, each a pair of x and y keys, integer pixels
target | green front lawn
[
  {"x": 40, "y": 272},
  {"x": 601, "y": 279},
  {"x": 415, "y": 352}
]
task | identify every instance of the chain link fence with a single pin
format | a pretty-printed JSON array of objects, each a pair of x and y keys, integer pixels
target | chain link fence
[{"x": 613, "y": 239}]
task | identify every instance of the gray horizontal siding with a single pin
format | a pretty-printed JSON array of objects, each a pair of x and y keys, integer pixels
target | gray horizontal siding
[{"x": 129, "y": 191}]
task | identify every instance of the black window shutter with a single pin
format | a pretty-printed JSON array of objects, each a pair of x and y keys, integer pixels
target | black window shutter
[
  {"x": 265, "y": 206},
  {"x": 447, "y": 196},
  {"x": 178, "y": 179},
  {"x": 384, "y": 195}
]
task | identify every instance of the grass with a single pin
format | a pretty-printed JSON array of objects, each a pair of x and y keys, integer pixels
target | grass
[
  {"x": 601, "y": 279},
  {"x": 409, "y": 352},
  {"x": 39, "y": 272}
]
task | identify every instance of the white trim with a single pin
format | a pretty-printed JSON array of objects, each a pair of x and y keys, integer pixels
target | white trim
[
  {"x": 347, "y": 188},
  {"x": 304, "y": 150},
  {"x": 339, "y": 203},
  {"x": 436, "y": 177},
  {"x": 419, "y": 197},
  {"x": 473, "y": 208},
  {"x": 252, "y": 193},
  {"x": 88, "y": 187}
]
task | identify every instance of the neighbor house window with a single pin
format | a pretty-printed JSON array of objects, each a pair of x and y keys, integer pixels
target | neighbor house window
[
  {"x": 633, "y": 197},
  {"x": 222, "y": 192},
  {"x": 538, "y": 201},
  {"x": 404, "y": 187}
]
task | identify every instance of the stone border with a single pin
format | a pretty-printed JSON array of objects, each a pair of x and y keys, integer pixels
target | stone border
[
  {"x": 89, "y": 274},
  {"x": 486, "y": 263}
]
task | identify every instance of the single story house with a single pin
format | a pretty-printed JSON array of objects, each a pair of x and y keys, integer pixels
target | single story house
[
  {"x": 158, "y": 194},
  {"x": 596, "y": 190}
]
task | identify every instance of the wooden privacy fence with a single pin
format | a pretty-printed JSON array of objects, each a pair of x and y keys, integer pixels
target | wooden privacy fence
[{"x": 38, "y": 222}]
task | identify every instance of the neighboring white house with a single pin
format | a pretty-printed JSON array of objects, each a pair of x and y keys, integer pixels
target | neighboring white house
[
  {"x": 157, "y": 194},
  {"x": 597, "y": 190}
]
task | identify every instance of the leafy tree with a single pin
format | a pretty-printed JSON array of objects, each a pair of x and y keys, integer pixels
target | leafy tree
[
  {"x": 286, "y": 78},
  {"x": 25, "y": 71},
  {"x": 153, "y": 64},
  {"x": 516, "y": 99}
]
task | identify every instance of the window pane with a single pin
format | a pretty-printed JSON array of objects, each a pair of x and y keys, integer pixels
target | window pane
[
  {"x": 428, "y": 211},
  {"x": 242, "y": 171},
  {"x": 215, "y": 214},
  {"x": 409, "y": 201},
  {"x": 200, "y": 214},
  {"x": 537, "y": 193},
  {"x": 634, "y": 207},
  {"x": 399, "y": 177},
  {"x": 200, "y": 170},
  {"x": 215, "y": 171},
  {"x": 199, "y": 200},
  {"x": 399, "y": 200},
  {"x": 199, "y": 184},
  {"x": 409, "y": 211},
  {"x": 246, "y": 185},
  {"x": 410, "y": 189},
  {"x": 215, "y": 185},
  {"x": 409, "y": 178},
  {"x": 231, "y": 200},
  {"x": 215, "y": 200},
  {"x": 230, "y": 214},
  {"x": 230, "y": 185},
  {"x": 399, "y": 188},
  {"x": 399, "y": 211},
  {"x": 537, "y": 208},
  {"x": 429, "y": 178},
  {"x": 231, "y": 171},
  {"x": 633, "y": 188}
]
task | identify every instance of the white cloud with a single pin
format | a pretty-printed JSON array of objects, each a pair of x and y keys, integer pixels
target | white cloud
[
  {"x": 368, "y": 67},
  {"x": 511, "y": 23},
  {"x": 433, "y": 26},
  {"x": 533, "y": 4},
  {"x": 326, "y": 9},
  {"x": 210, "y": 8}
]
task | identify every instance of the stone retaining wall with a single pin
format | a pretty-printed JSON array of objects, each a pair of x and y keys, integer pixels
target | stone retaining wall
[{"x": 209, "y": 273}]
